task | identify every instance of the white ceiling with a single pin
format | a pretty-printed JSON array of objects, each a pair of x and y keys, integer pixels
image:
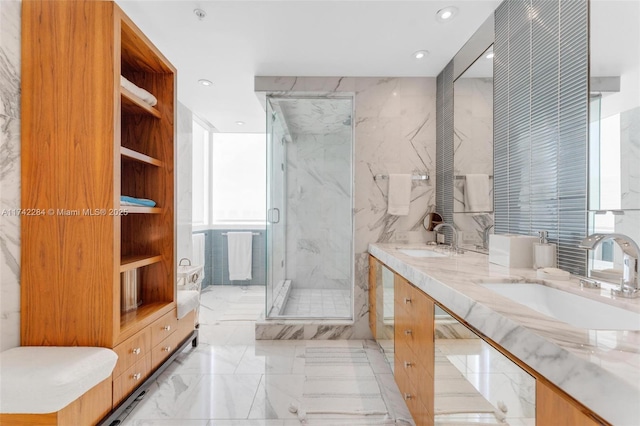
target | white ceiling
[{"x": 241, "y": 39}]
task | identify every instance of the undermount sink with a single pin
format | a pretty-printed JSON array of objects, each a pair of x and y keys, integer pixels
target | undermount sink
[
  {"x": 568, "y": 307},
  {"x": 421, "y": 253}
]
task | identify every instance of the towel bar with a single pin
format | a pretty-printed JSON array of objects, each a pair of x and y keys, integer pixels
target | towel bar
[
  {"x": 224, "y": 234},
  {"x": 465, "y": 176},
  {"x": 413, "y": 177}
]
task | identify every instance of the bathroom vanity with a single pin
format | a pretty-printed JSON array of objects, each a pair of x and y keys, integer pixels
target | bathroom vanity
[{"x": 579, "y": 376}]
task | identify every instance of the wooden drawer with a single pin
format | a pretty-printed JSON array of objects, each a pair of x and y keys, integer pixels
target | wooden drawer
[
  {"x": 161, "y": 351},
  {"x": 132, "y": 350},
  {"x": 187, "y": 324},
  {"x": 131, "y": 379},
  {"x": 163, "y": 327},
  {"x": 405, "y": 360},
  {"x": 403, "y": 293},
  {"x": 421, "y": 324},
  {"x": 420, "y": 414}
]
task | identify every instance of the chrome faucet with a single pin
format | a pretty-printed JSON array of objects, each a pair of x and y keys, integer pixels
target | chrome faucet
[
  {"x": 485, "y": 237},
  {"x": 630, "y": 283},
  {"x": 454, "y": 245}
]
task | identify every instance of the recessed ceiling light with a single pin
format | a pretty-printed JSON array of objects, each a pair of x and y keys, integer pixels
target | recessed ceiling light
[
  {"x": 420, "y": 54},
  {"x": 489, "y": 55},
  {"x": 446, "y": 14},
  {"x": 240, "y": 123},
  {"x": 205, "y": 82}
]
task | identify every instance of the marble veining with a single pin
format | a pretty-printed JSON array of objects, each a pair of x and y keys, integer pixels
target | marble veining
[
  {"x": 9, "y": 173},
  {"x": 395, "y": 132},
  {"x": 630, "y": 158},
  {"x": 473, "y": 152},
  {"x": 599, "y": 368},
  {"x": 244, "y": 382}
]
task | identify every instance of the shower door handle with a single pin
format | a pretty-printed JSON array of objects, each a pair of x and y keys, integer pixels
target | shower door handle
[{"x": 272, "y": 215}]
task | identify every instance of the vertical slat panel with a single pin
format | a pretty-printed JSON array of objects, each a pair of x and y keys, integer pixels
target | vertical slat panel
[
  {"x": 444, "y": 146},
  {"x": 540, "y": 122},
  {"x": 501, "y": 119},
  {"x": 544, "y": 118},
  {"x": 573, "y": 122}
]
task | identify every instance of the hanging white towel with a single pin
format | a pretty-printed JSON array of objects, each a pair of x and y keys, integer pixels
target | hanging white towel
[
  {"x": 399, "y": 195},
  {"x": 198, "y": 249},
  {"x": 239, "y": 250},
  {"x": 477, "y": 193}
]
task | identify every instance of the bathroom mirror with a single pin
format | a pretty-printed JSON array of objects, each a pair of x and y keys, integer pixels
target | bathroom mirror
[
  {"x": 473, "y": 153},
  {"x": 614, "y": 131},
  {"x": 474, "y": 383}
]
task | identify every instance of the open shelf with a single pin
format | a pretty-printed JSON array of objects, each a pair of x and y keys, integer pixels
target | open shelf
[
  {"x": 140, "y": 157},
  {"x": 134, "y": 105},
  {"x": 142, "y": 209},
  {"x": 141, "y": 317},
  {"x": 131, "y": 262}
]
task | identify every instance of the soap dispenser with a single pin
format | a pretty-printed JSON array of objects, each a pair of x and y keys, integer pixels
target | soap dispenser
[{"x": 544, "y": 253}]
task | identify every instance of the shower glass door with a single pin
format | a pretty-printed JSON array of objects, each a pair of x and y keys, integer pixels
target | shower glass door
[
  {"x": 310, "y": 207},
  {"x": 276, "y": 203}
]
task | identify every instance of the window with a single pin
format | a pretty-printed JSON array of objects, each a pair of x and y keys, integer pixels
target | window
[
  {"x": 238, "y": 178},
  {"x": 200, "y": 173}
]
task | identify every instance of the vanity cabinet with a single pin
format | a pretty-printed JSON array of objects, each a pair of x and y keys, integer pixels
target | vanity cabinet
[
  {"x": 414, "y": 353},
  {"x": 554, "y": 407},
  {"x": 86, "y": 141},
  {"x": 417, "y": 318}
]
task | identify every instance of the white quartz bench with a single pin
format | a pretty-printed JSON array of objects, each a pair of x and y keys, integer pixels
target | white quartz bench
[{"x": 55, "y": 385}]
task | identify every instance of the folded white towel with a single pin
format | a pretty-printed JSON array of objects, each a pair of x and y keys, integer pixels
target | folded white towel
[
  {"x": 477, "y": 193},
  {"x": 239, "y": 254},
  {"x": 399, "y": 195},
  {"x": 138, "y": 91}
]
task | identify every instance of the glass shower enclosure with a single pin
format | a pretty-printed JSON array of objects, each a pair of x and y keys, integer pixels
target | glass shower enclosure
[{"x": 309, "y": 207}]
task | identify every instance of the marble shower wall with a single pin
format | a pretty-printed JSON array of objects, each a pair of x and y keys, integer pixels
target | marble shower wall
[
  {"x": 473, "y": 151},
  {"x": 630, "y": 159},
  {"x": 394, "y": 133},
  {"x": 184, "y": 185},
  {"x": 319, "y": 232},
  {"x": 629, "y": 223},
  {"x": 10, "y": 13}
]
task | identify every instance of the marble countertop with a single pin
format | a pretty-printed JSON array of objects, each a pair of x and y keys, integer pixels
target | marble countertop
[{"x": 599, "y": 368}]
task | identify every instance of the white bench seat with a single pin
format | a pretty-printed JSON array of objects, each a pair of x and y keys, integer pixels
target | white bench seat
[
  {"x": 188, "y": 300},
  {"x": 46, "y": 379}
]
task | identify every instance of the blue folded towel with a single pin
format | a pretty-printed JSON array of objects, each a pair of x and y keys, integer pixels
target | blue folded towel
[{"x": 138, "y": 201}]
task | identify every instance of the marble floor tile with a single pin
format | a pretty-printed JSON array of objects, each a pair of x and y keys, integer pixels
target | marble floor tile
[
  {"x": 164, "y": 399},
  {"x": 221, "y": 396},
  {"x": 208, "y": 359},
  {"x": 231, "y": 379},
  {"x": 276, "y": 394}
]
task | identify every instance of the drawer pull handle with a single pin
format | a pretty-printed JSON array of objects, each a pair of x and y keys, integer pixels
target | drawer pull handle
[
  {"x": 166, "y": 349},
  {"x": 407, "y": 396},
  {"x": 166, "y": 328},
  {"x": 408, "y": 364},
  {"x": 135, "y": 351},
  {"x": 408, "y": 332},
  {"x": 136, "y": 376},
  {"x": 407, "y": 300}
]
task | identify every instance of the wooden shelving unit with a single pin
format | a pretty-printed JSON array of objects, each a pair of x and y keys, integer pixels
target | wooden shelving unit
[
  {"x": 133, "y": 262},
  {"x": 129, "y": 154},
  {"x": 85, "y": 142},
  {"x": 131, "y": 104}
]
